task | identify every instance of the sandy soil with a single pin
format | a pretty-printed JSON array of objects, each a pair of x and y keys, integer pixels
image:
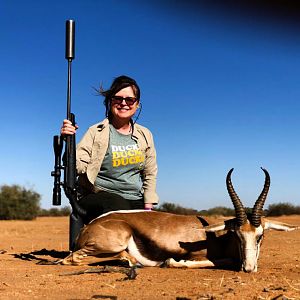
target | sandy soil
[{"x": 21, "y": 277}]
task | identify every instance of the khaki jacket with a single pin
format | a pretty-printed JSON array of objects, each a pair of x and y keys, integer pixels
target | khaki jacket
[{"x": 91, "y": 150}]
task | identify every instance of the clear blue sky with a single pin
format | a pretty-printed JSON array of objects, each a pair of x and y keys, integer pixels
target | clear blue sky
[{"x": 220, "y": 89}]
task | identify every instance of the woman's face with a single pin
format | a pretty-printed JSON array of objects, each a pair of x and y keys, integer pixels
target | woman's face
[{"x": 124, "y": 104}]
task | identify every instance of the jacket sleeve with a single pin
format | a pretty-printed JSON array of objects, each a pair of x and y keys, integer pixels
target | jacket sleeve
[
  {"x": 150, "y": 173},
  {"x": 84, "y": 152}
]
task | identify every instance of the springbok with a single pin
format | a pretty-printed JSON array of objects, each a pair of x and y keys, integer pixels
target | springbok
[{"x": 153, "y": 238}]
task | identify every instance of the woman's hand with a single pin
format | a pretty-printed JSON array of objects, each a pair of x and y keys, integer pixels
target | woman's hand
[
  {"x": 68, "y": 128},
  {"x": 148, "y": 206}
]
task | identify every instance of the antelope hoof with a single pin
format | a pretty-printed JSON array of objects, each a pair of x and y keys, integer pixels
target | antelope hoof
[{"x": 169, "y": 263}]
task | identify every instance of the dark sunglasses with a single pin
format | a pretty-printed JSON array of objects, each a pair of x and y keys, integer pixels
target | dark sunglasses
[{"x": 119, "y": 100}]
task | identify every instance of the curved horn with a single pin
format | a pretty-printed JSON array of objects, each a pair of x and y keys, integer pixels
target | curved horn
[
  {"x": 259, "y": 204},
  {"x": 238, "y": 206}
]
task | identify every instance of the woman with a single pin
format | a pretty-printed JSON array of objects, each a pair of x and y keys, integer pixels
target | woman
[{"x": 116, "y": 158}]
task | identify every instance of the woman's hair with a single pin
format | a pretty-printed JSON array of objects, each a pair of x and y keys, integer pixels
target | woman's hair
[{"x": 118, "y": 84}]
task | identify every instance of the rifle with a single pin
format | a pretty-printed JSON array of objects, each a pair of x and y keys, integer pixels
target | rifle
[{"x": 69, "y": 159}]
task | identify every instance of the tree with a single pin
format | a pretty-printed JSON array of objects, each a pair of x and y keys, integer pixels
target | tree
[{"x": 17, "y": 202}]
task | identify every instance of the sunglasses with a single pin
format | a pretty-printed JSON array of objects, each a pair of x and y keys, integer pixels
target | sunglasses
[{"x": 119, "y": 100}]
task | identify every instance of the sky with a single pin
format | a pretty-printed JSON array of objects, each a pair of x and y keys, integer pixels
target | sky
[{"x": 219, "y": 90}]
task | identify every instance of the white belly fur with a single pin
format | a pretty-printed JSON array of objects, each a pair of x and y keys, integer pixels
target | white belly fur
[{"x": 134, "y": 251}]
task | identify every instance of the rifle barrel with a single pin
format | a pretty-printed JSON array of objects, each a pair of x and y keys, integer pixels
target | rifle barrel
[{"x": 70, "y": 55}]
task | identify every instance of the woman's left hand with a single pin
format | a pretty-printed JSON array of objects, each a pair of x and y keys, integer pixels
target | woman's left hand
[{"x": 148, "y": 206}]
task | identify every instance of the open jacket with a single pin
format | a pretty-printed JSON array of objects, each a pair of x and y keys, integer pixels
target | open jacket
[{"x": 91, "y": 150}]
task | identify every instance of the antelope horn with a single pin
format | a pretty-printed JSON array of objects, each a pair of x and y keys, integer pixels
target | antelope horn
[
  {"x": 259, "y": 204},
  {"x": 238, "y": 206}
]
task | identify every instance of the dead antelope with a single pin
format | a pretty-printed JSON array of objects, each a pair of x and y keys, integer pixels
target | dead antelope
[{"x": 159, "y": 238}]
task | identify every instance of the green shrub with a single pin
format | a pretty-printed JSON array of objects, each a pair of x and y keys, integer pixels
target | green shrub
[
  {"x": 282, "y": 209},
  {"x": 273, "y": 210},
  {"x": 17, "y": 202},
  {"x": 176, "y": 209},
  {"x": 53, "y": 212},
  {"x": 219, "y": 211}
]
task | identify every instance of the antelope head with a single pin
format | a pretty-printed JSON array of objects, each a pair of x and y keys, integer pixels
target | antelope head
[{"x": 247, "y": 228}]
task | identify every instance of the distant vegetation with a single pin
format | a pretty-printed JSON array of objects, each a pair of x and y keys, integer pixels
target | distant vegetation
[
  {"x": 55, "y": 212},
  {"x": 177, "y": 209},
  {"x": 282, "y": 209},
  {"x": 273, "y": 210},
  {"x": 19, "y": 203}
]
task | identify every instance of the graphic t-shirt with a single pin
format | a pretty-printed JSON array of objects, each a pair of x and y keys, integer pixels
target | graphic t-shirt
[{"x": 122, "y": 165}]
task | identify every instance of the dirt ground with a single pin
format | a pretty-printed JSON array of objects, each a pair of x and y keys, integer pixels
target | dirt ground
[{"x": 25, "y": 243}]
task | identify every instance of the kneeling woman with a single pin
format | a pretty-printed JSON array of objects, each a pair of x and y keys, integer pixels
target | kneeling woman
[{"x": 116, "y": 158}]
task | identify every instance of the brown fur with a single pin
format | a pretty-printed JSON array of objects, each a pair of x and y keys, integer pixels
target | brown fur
[{"x": 161, "y": 237}]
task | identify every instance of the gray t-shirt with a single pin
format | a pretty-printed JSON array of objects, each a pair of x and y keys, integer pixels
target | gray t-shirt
[{"x": 121, "y": 168}]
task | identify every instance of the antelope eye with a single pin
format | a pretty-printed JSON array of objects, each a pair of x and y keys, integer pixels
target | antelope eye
[{"x": 259, "y": 238}]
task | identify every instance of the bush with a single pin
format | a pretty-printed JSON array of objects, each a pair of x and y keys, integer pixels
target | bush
[
  {"x": 54, "y": 212},
  {"x": 176, "y": 209},
  {"x": 219, "y": 211},
  {"x": 282, "y": 209},
  {"x": 273, "y": 210},
  {"x": 17, "y": 202}
]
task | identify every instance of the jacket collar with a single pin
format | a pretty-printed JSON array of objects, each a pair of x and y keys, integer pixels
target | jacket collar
[
  {"x": 135, "y": 128},
  {"x": 102, "y": 124}
]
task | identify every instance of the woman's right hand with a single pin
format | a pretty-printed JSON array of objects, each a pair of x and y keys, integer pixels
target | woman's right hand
[{"x": 68, "y": 128}]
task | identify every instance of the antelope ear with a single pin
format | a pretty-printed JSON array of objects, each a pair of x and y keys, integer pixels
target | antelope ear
[
  {"x": 230, "y": 224},
  {"x": 215, "y": 227},
  {"x": 270, "y": 224}
]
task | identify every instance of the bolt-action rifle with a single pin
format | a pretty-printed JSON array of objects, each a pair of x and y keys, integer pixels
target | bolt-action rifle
[{"x": 69, "y": 158}]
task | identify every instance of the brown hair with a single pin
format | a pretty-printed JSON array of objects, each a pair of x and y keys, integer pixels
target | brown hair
[{"x": 118, "y": 84}]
